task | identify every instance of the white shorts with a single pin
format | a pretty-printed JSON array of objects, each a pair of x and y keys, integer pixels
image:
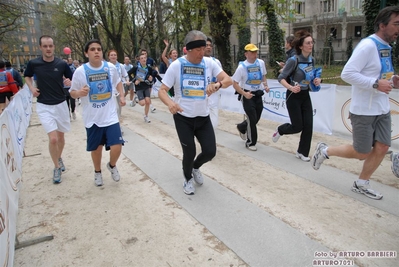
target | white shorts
[{"x": 54, "y": 117}]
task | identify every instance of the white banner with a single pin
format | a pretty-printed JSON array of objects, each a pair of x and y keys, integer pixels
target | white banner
[
  {"x": 14, "y": 122},
  {"x": 275, "y": 109}
]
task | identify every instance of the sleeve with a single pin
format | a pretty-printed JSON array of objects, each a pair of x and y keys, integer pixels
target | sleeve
[
  {"x": 288, "y": 69},
  {"x": 29, "y": 70},
  {"x": 67, "y": 71},
  {"x": 79, "y": 79},
  {"x": 352, "y": 71},
  {"x": 237, "y": 77}
]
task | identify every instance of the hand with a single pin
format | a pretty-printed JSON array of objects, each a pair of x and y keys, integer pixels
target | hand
[
  {"x": 67, "y": 82},
  {"x": 295, "y": 89},
  {"x": 281, "y": 64},
  {"x": 136, "y": 82},
  {"x": 35, "y": 92},
  {"x": 267, "y": 89},
  {"x": 174, "y": 108},
  {"x": 212, "y": 88},
  {"x": 316, "y": 81},
  {"x": 122, "y": 100},
  {"x": 128, "y": 83},
  {"x": 84, "y": 91},
  {"x": 384, "y": 86},
  {"x": 395, "y": 81},
  {"x": 166, "y": 42},
  {"x": 248, "y": 95}
]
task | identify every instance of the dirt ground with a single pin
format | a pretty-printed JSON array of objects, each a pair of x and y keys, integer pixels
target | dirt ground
[{"x": 135, "y": 223}]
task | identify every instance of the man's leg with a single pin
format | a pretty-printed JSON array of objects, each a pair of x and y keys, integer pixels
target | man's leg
[
  {"x": 56, "y": 145},
  {"x": 114, "y": 154},
  {"x": 373, "y": 160},
  {"x": 96, "y": 157}
]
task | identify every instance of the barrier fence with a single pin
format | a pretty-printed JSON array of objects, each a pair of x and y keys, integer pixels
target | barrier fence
[{"x": 14, "y": 122}]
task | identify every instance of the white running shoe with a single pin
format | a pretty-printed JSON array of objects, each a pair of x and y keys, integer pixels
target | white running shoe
[
  {"x": 57, "y": 175},
  {"x": 318, "y": 156},
  {"x": 98, "y": 178},
  {"x": 252, "y": 148},
  {"x": 153, "y": 109},
  {"x": 114, "y": 172},
  {"x": 73, "y": 115},
  {"x": 197, "y": 175},
  {"x": 366, "y": 190},
  {"x": 61, "y": 164},
  {"x": 188, "y": 187},
  {"x": 302, "y": 157},
  {"x": 276, "y": 136},
  {"x": 146, "y": 119}
]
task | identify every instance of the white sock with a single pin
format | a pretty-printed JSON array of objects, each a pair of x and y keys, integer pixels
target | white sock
[
  {"x": 324, "y": 151},
  {"x": 362, "y": 181}
]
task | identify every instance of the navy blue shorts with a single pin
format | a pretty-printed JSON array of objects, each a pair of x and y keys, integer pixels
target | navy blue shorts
[{"x": 108, "y": 136}]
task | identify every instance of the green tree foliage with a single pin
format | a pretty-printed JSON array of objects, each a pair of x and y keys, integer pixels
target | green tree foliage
[
  {"x": 370, "y": 8},
  {"x": 220, "y": 19},
  {"x": 275, "y": 34},
  {"x": 244, "y": 31},
  {"x": 349, "y": 47}
]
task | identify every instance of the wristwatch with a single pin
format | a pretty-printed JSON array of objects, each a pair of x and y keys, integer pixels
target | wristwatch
[{"x": 375, "y": 85}]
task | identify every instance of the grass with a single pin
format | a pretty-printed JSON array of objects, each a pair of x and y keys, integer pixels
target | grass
[{"x": 330, "y": 74}]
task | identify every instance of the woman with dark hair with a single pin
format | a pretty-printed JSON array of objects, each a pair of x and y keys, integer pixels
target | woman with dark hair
[{"x": 299, "y": 69}]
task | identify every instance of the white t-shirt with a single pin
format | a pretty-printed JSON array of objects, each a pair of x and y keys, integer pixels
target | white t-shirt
[
  {"x": 361, "y": 71},
  {"x": 241, "y": 75},
  {"x": 213, "y": 99},
  {"x": 100, "y": 113},
  {"x": 192, "y": 107}
]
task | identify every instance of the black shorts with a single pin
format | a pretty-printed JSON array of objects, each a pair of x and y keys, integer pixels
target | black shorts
[{"x": 4, "y": 95}]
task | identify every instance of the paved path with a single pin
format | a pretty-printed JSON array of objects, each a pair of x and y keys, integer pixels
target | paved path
[{"x": 251, "y": 232}]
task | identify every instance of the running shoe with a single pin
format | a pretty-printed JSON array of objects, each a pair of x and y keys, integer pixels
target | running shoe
[
  {"x": 198, "y": 178},
  {"x": 146, "y": 119},
  {"x": 302, "y": 157},
  {"x": 366, "y": 190},
  {"x": 242, "y": 135},
  {"x": 61, "y": 164},
  {"x": 114, "y": 172},
  {"x": 73, "y": 115},
  {"x": 276, "y": 136},
  {"x": 98, "y": 178},
  {"x": 188, "y": 187},
  {"x": 57, "y": 176},
  {"x": 319, "y": 156}
]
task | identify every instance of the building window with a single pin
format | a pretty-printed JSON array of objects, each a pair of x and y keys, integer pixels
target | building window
[
  {"x": 327, "y": 6},
  {"x": 263, "y": 37},
  {"x": 357, "y": 4},
  {"x": 300, "y": 7}
]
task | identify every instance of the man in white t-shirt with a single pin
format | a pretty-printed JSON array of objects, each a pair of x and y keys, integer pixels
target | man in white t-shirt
[
  {"x": 129, "y": 87},
  {"x": 214, "y": 99},
  {"x": 94, "y": 83},
  {"x": 191, "y": 77},
  {"x": 250, "y": 81},
  {"x": 371, "y": 73}
]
